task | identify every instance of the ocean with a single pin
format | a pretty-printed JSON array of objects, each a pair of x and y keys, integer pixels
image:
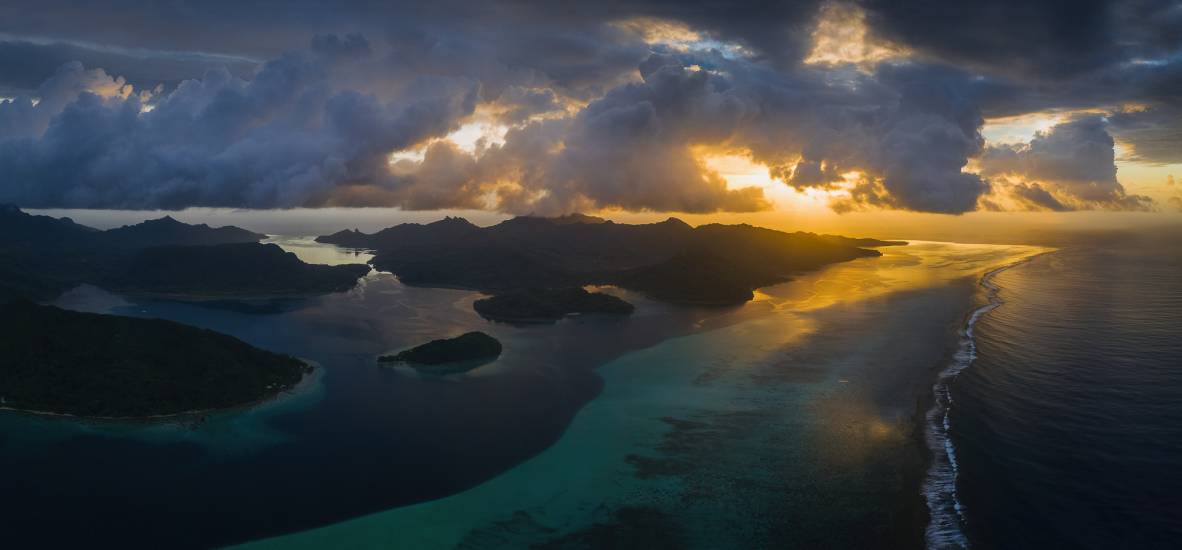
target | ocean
[
  {"x": 802, "y": 419},
  {"x": 788, "y": 422},
  {"x": 1066, "y": 427}
]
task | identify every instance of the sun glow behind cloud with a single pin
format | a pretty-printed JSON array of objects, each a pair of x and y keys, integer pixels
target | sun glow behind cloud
[
  {"x": 1021, "y": 128},
  {"x": 470, "y": 138},
  {"x": 677, "y": 36},
  {"x": 841, "y": 37},
  {"x": 740, "y": 171},
  {"x": 663, "y": 91}
]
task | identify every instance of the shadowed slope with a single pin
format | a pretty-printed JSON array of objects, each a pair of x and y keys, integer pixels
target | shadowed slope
[
  {"x": 669, "y": 260},
  {"x": 53, "y": 360}
]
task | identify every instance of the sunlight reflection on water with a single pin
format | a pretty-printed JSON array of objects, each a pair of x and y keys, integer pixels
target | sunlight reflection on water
[{"x": 784, "y": 413}]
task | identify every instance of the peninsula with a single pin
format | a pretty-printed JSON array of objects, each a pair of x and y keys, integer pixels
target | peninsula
[{"x": 91, "y": 365}]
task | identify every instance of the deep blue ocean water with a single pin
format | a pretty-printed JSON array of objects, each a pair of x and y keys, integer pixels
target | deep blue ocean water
[{"x": 1068, "y": 426}]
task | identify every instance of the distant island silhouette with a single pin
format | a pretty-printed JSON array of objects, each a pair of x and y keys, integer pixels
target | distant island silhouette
[
  {"x": 671, "y": 261},
  {"x": 42, "y": 256},
  {"x": 167, "y": 231},
  {"x": 91, "y": 365},
  {"x": 534, "y": 268}
]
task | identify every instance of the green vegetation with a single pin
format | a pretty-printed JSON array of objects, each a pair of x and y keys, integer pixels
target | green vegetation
[
  {"x": 547, "y": 305},
  {"x": 468, "y": 347},
  {"x": 85, "y": 364}
]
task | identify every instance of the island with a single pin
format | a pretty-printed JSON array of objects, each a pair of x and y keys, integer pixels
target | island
[
  {"x": 464, "y": 352},
  {"x": 42, "y": 256},
  {"x": 669, "y": 260},
  {"x": 548, "y": 305},
  {"x": 168, "y": 231},
  {"x": 251, "y": 270},
  {"x": 106, "y": 366}
]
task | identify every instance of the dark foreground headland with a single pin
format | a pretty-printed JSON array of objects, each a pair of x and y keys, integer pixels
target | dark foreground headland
[
  {"x": 671, "y": 261},
  {"x": 469, "y": 348},
  {"x": 91, "y": 365},
  {"x": 548, "y": 305}
]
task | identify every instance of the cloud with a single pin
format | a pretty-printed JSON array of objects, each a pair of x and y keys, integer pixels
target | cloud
[
  {"x": 634, "y": 147},
  {"x": 1046, "y": 40},
  {"x": 519, "y": 104},
  {"x": 908, "y": 129},
  {"x": 26, "y": 64},
  {"x": 631, "y": 149},
  {"x": 1037, "y": 198},
  {"x": 298, "y": 133},
  {"x": 609, "y": 104},
  {"x": 284, "y": 138},
  {"x": 349, "y": 45},
  {"x": 1073, "y": 163},
  {"x": 29, "y": 117},
  {"x": 1154, "y": 133}
]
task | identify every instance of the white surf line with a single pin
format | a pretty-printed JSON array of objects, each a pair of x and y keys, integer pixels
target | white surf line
[{"x": 947, "y": 514}]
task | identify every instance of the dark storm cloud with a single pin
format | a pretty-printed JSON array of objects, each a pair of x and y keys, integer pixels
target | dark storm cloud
[
  {"x": 909, "y": 128},
  {"x": 1074, "y": 161},
  {"x": 634, "y": 147},
  {"x": 263, "y": 29},
  {"x": 1154, "y": 133},
  {"x": 1037, "y": 198},
  {"x": 1056, "y": 54},
  {"x": 1046, "y": 39},
  {"x": 573, "y": 45},
  {"x": 24, "y": 65},
  {"x": 609, "y": 103},
  {"x": 283, "y": 138}
]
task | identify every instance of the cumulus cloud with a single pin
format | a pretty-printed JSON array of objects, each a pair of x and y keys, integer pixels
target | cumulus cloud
[
  {"x": 298, "y": 133},
  {"x": 634, "y": 147},
  {"x": 29, "y": 116},
  {"x": 26, "y": 64},
  {"x": 609, "y": 104},
  {"x": 908, "y": 130},
  {"x": 630, "y": 149},
  {"x": 1073, "y": 165},
  {"x": 284, "y": 138}
]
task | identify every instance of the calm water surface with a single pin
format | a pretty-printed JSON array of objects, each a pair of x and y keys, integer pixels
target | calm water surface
[{"x": 787, "y": 421}]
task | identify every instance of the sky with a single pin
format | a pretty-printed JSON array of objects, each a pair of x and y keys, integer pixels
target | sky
[{"x": 830, "y": 114}]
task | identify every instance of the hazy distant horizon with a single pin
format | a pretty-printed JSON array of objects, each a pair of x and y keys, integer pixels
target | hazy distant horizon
[{"x": 975, "y": 227}]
